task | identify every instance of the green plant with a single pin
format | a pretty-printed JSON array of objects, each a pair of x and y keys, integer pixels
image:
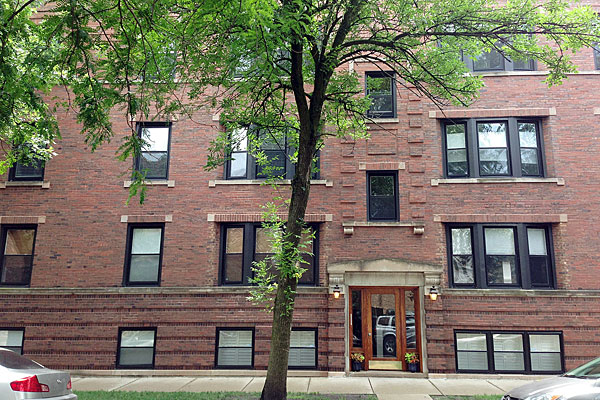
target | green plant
[
  {"x": 357, "y": 357},
  {"x": 411, "y": 358}
]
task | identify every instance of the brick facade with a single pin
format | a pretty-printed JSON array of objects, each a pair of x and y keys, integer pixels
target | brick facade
[{"x": 76, "y": 302}]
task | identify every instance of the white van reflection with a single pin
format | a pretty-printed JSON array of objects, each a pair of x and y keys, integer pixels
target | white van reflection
[{"x": 385, "y": 335}]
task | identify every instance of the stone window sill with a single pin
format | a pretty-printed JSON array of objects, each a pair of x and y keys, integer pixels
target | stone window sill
[
  {"x": 215, "y": 182},
  {"x": 158, "y": 182},
  {"x": 383, "y": 121},
  {"x": 418, "y": 227},
  {"x": 40, "y": 184},
  {"x": 519, "y": 292},
  {"x": 557, "y": 181}
]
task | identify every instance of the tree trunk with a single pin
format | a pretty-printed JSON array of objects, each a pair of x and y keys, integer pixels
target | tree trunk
[{"x": 276, "y": 383}]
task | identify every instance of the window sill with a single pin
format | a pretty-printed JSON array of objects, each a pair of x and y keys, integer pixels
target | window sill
[
  {"x": 418, "y": 227},
  {"x": 215, "y": 182},
  {"x": 382, "y": 120},
  {"x": 519, "y": 292},
  {"x": 158, "y": 182},
  {"x": 40, "y": 184},
  {"x": 557, "y": 181}
]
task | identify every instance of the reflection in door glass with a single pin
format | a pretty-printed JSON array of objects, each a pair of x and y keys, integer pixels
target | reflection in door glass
[
  {"x": 409, "y": 306},
  {"x": 383, "y": 314},
  {"x": 356, "y": 319}
]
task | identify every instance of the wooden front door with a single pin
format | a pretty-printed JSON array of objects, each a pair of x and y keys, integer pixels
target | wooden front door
[{"x": 384, "y": 324}]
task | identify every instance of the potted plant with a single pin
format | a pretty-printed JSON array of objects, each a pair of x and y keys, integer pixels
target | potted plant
[
  {"x": 357, "y": 360},
  {"x": 412, "y": 360}
]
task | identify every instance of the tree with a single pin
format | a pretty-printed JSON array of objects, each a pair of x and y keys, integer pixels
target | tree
[{"x": 277, "y": 66}]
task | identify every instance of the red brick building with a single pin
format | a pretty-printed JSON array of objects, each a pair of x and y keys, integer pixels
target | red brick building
[{"x": 494, "y": 205}]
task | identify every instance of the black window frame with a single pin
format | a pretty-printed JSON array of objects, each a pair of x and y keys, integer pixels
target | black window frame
[
  {"x": 248, "y": 253},
  {"x": 526, "y": 352},
  {"x": 4, "y": 234},
  {"x": 12, "y": 173},
  {"x": 136, "y": 366},
  {"x": 128, "y": 249},
  {"x": 393, "y": 113},
  {"x": 217, "y": 339},
  {"x": 513, "y": 147},
  {"x": 316, "y": 349},
  {"x": 252, "y": 167},
  {"x": 507, "y": 64},
  {"x": 394, "y": 175},
  {"x": 522, "y": 256},
  {"x": 136, "y": 162},
  {"x": 22, "y": 330}
]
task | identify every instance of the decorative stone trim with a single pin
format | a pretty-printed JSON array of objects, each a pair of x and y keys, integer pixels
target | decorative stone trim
[
  {"x": 217, "y": 290},
  {"x": 418, "y": 227},
  {"x": 597, "y": 111},
  {"x": 385, "y": 166},
  {"x": 521, "y": 292},
  {"x": 40, "y": 184},
  {"x": 377, "y": 121},
  {"x": 22, "y": 220},
  {"x": 134, "y": 219},
  {"x": 162, "y": 182},
  {"x": 438, "y": 181},
  {"x": 493, "y": 113},
  {"x": 259, "y": 217},
  {"x": 499, "y": 218},
  {"x": 215, "y": 182}
]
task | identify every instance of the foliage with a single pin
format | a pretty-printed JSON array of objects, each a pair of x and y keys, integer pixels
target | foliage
[
  {"x": 357, "y": 357},
  {"x": 411, "y": 358}
]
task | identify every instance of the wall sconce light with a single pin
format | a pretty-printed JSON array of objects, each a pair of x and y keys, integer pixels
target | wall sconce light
[
  {"x": 336, "y": 292},
  {"x": 433, "y": 293}
]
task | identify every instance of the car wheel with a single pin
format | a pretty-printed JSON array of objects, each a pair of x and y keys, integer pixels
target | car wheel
[{"x": 389, "y": 345}]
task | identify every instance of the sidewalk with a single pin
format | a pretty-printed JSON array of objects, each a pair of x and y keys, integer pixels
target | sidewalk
[{"x": 384, "y": 388}]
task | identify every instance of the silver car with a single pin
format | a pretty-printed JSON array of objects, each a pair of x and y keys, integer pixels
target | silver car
[
  {"x": 21, "y": 378},
  {"x": 582, "y": 383}
]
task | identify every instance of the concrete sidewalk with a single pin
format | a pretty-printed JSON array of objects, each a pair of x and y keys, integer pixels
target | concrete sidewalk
[{"x": 384, "y": 388}]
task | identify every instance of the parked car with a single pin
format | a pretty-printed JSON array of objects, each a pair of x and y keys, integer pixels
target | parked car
[
  {"x": 385, "y": 333},
  {"x": 22, "y": 378},
  {"x": 582, "y": 383}
]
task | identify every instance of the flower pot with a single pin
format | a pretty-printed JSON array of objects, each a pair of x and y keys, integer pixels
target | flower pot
[
  {"x": 356, "y": 365},
  {"x": 413, "y": 367}
]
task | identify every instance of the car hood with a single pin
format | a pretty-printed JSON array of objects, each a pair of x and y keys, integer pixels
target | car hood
[{"x": 558, "y": 385}]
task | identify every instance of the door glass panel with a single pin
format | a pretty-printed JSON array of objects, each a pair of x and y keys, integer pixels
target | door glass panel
[
  {"x": 356, "y": 319},
  {"x": 409, "y": 307},
  {"x": 383, "y": 316}
]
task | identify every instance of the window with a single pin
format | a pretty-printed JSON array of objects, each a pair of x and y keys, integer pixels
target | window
[
  {"x": 17, "y": 256},
  {"x": 274, "y": 152},
  {"x": 235, "y": 348},
  {"x": 597, "y": 55},
  {"x": 136, "y": 348},
  {"x": 12, "y": 339},
  {"x": 381, "y": 90},
  {"x": 494, "y": 61},
  {"x": 153, "y": 160},
  {"x": 303, "y": 348},
  {"x": 144, "y": 254},
  {"x": 509, "y": 352},
  {"x": 382, "y": 191},
  {"x": 515, "y": 255},
  {"x": 493, "y": 148},
  {"x": 242, "y": 244},
  {"x": 22, "y": 172}
]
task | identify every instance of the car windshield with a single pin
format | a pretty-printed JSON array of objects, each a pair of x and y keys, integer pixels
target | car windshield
[
  {"x": 589, "y": 370},
  {"x": 12, "y": 360}
]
